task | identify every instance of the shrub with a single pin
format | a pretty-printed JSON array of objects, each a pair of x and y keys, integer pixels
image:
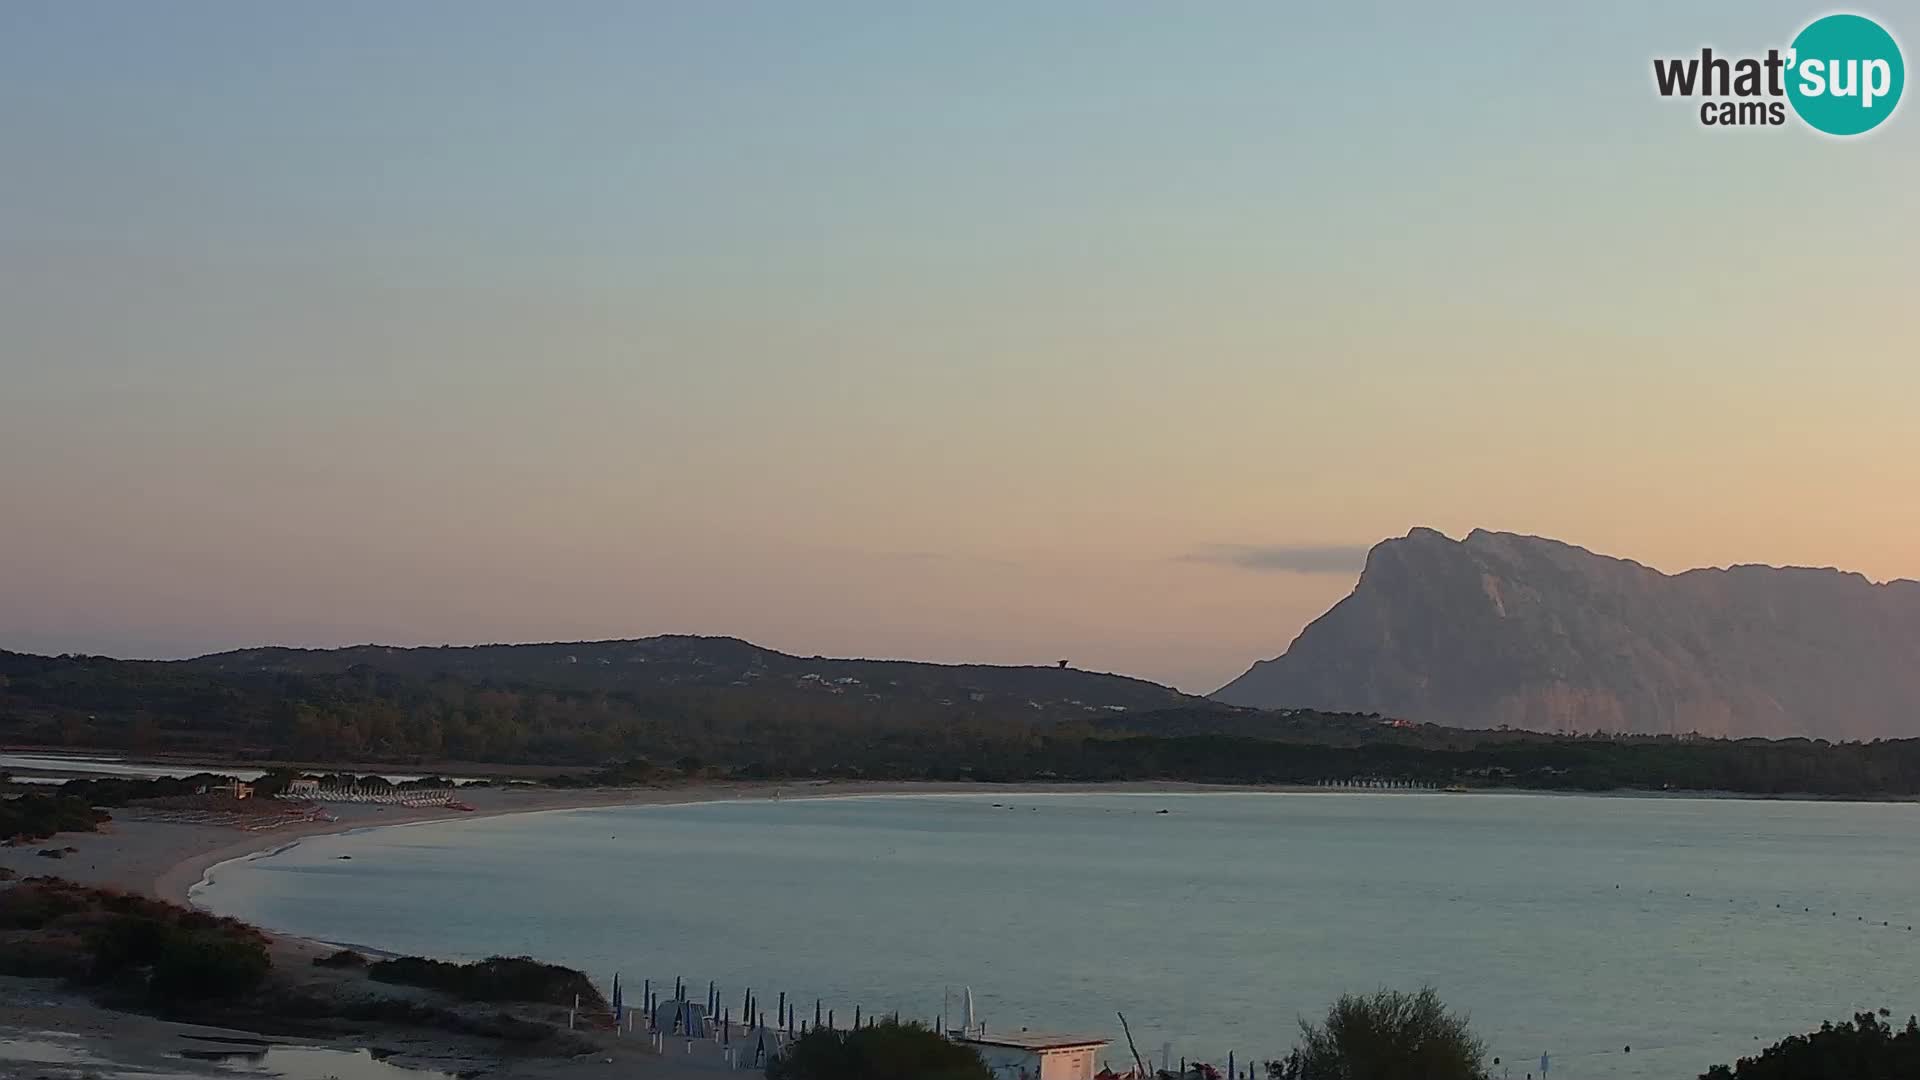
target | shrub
[
  {"x": 199, "y": 964},
  {"x": 1387, "y": 1035},
  {"x": 33, "y": 904},
  {"x": 43, "y": 957},
  {"x": 35, "y": 816},
  {"x": 126, "y": 941},
  {"x": 885, "y": 1051},
  {"x": 345, "y": 958},
  {"x": 499, "y": 978},
  {"x": 1864, "y": 1048},
  {"x": 101, "y": 934}
]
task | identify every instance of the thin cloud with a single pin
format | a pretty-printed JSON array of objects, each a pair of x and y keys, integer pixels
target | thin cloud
[{"x": 1285, "y": 558}]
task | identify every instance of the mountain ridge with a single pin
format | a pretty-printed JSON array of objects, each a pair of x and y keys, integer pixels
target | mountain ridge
[
  {"x": 1503, "y": 628},
  {"x": 681, "y": 660}
]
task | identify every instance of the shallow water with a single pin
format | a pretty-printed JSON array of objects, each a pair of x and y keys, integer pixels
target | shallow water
[
  {"x": 310, "y": 1063},
  {"x": 1691, "y": 930},
  {"x": 50, "y": 1048},
  {"x": 81, "y": 766},
  {"x": 53, "y": 1053}
]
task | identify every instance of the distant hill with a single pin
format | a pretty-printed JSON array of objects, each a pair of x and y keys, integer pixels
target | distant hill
[
  {"x": 1502, "y": 629},
  {"x": 685, "y": 661},
  {"x": 667, "y": 698}
]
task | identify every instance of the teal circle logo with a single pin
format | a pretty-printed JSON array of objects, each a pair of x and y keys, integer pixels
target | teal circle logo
[{"x": 1845, "y": 74}]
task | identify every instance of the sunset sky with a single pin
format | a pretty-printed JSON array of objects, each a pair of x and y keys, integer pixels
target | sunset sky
[{"x": 981, "y": 331}]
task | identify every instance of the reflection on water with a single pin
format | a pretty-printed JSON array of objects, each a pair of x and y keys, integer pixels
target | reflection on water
[
  {"x": 1564, "y": 925},
  {"x": 78, "y": 766},
  {"x": 45, "y": 1048},
  {"x": 53, "y": 1054},
  {"x": 312, "y": 1063},
  {"x": 61, "y": 1055},
  {"x": 72, "y": 765}
]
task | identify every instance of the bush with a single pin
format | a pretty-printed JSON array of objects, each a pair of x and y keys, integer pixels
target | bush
[
  {"x": 101, "y": 935},
  {"x": 1864, "y": 1048},
  {"x": 35, "y": 816},
  {"x": 43, "y": 957},
  {"x": 499, "y": 978},
  {"x": 345, "y": 958},
  {"x": 126, "y": 941},
  {"x": 33, "y": 904},
  {"x": 1387, "y": 1035},
  {"x": 198, "y": 964},
  {"x": 886, "y": 1051}
]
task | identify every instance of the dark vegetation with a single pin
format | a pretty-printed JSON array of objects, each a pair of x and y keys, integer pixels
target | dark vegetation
[
  {"x": 1387, "y": 1035},
  {"x": 884, "y": 1051},
  {"x": 344, "y": 958},
  {"x": 52, "y": 928},
  {"x": 500, "y": 978},
  {"x": 75, "y": 806},
  {"x": 133, "y": 951},
  {"x": 719, "y": 708},
  {"x": 1864, "y": 1048},
  {"x": 36, "y": 817}
]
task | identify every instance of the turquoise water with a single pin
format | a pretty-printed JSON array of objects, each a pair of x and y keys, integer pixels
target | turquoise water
[{"x": 1691, "y": 930}]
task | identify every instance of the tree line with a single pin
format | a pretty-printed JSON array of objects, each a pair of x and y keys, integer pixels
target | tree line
[{"x": 771, "y": 732}]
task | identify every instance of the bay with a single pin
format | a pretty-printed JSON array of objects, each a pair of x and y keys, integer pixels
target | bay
[{"x": 1690, "y": 930}]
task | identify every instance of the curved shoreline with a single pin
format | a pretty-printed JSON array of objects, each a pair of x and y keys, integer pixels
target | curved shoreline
[{"x": 181, "y": 879}]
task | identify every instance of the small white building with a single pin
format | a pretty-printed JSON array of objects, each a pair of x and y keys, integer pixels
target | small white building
[{"x": 1033, "y": 1055}]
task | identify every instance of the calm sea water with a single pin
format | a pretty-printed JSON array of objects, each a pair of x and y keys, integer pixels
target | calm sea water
[{"x": 1691, "y": 930}]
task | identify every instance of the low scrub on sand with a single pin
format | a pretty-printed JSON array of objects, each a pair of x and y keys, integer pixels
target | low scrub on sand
[
  {"x": 500, "y": 978},
  {"x": 54, "y": 928},
  {"x": 33, "y": 816},
  {"x": 345, "y": 958},
  {"x": 879, "y": 1052}
]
